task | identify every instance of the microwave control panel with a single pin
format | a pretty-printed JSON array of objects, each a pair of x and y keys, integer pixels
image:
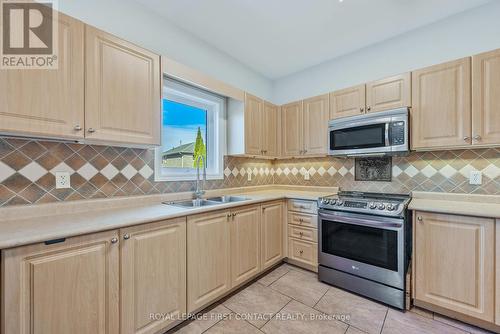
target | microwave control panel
[{"x": 397, "y": 133}]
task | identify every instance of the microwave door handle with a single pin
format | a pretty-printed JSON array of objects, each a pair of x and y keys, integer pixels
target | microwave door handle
[
  {"x": 359, "y": 221},
  {"x": 387, "y": 142}
]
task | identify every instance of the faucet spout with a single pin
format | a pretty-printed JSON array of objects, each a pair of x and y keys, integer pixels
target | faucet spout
[{"x": 200, "y": 188}]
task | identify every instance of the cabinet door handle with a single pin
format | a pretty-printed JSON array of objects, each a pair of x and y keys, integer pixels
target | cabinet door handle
[
  {"x": 91, "y": 130},
  {"x": 361, "y": 110},
  {"x": 126, "y": 236},
  {"x": 77, "y": 128},
  {"x": 466, "y": 138},
  {"x": 368, "y": 108},
  {"x": 114, "y": 240},
  {"x": 301, "y": 252},
  {"x": 301, "y": 234},
  {"x": 419, "y": 218},
  {"x": 477, "y": 137}
]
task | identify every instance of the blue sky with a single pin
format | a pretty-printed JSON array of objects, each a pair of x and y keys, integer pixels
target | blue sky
[{"x": 180, "y": 123}]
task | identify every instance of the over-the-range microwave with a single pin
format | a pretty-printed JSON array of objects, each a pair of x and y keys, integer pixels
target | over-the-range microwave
[{"x": 376, "y": 134}]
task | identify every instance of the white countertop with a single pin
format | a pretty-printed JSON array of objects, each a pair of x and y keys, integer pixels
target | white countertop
[{"x": 29, "y": 230}]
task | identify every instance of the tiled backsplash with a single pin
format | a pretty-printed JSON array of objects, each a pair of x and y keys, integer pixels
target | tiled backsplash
[{"x": 27, "y": 171}]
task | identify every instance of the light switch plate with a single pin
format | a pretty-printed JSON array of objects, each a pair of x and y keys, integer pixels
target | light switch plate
[
  {"x": 476, "y": 177},
  {"x": 249, "y": 176},
  {"x": 307, "y": 176},
  {"x": 63, "y": 180}
]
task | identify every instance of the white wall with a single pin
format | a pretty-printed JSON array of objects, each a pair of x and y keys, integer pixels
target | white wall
[
  {"x": 141, "y": 26},
  {"x": 461, "y": 35}
]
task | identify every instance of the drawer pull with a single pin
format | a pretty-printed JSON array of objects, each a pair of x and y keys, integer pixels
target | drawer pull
[
  {"x": 301, "y": 252},
  {"x": 55, "y": 241},
  {"x": 301, "y": 234}
]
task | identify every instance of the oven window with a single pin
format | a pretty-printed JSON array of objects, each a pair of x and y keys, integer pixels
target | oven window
[
  {"x": 368, "y": 245},
  {"x": 367, "y": 136}
]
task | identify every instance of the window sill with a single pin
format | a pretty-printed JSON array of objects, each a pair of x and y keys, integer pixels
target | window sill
[{"x": 186, "y": 178}]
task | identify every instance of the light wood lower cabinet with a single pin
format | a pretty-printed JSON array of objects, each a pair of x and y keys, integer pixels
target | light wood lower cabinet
[
  {"x": 153, "y": 276},
  {"x": 48, "y": 102},
  {"x": 66, "y": 287},
  {"x": 271, "y": 234},
  {"x": 304, "y": 252},
  {"x": 245, "y": 244},
  {"x": 455, "y": 263},
  {"x": 208, "y": 256}
]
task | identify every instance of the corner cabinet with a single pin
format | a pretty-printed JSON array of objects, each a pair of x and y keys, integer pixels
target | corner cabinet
[
  {"x": 122, "y": 90},
  {"x": 455, "y": 264},
  {"x": 272, "y": 234},
  {"x": 64, "y": 286},
  {"x": 48, "y": 103},
  {"x": 208, "y": 258},
  {"x": 441, "y": 115},
  {"x": 153, "y": 276}
]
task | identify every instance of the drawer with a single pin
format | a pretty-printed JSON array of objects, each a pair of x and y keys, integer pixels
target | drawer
[
  {"x": 302, "y": 219},
  {"x": 303, "y": 251},
  {"x": 303, "y": 206},
  {"x": 302, "y": 233}
]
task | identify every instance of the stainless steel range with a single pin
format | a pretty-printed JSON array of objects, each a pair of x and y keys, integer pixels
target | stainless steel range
[{"x": 365, "y": 244}]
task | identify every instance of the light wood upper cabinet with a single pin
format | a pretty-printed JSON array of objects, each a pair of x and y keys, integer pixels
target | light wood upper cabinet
[
  {"x": 48, "y": 102},
  {"x": 245, "y": 244},
  {"x": 208, "y": 256},
  {"x": 315, "y": 125},
  {"x": 67, "y": 287},
  {"x": 455, "y": 263},
  {"x": 122, "y": 90},
  {"x": 441, "y": 98},
  {"x": 486, "y": 98},
  {"x": 292, "y": 124},
  {"x": 271, "y": 130},
  {"x": 153, "y": 276},
  {"x": 271, "y": 234},
  {"x": 347, "y": 102},
  {"x": 389, "y": 93},
  {"x": 253, "y": 124}
]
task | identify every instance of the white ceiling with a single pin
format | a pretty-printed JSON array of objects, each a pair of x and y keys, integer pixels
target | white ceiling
[{"x": 279, "y": 37}]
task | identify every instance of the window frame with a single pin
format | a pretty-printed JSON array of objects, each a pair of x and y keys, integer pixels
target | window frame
[{"x": 216, "y": 106}]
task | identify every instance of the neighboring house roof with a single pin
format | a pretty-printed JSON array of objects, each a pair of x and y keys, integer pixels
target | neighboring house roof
[{"x": 184, "y": 149}]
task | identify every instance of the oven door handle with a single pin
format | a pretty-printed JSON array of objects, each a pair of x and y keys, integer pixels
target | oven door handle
[{"x": 360, "y": 221}]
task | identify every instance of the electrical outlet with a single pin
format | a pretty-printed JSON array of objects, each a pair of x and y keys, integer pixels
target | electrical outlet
[
  {"x": 307, "y": 177},
  {"x": 249, "y": 176},
  {"x": 475, "y": 177},
  {"x": 63, "y": 180}
]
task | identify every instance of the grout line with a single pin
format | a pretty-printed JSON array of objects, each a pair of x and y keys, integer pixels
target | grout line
[
  {"x": 281, "y": 309},
  {"x": 314, "y": 307},
  {"x": 383, "y": 324}
]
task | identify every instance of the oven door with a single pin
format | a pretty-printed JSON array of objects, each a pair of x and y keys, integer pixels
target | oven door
[{"x": 367, "y": 246}]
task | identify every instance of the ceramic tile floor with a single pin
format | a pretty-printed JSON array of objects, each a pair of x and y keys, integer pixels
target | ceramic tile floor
[{"x": 291, "y": 300}]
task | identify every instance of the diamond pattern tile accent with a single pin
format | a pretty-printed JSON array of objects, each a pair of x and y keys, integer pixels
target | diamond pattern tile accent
[
  {"x": 447, "y": 171},
  {"x": 411, "y": 171},
  {"x": 129, "y": 171},
  {"x": 492, "y": 171},
  {"x": 62, "y": 167},
  {"x": 110, "y": 171},
  {"x": 87, "y": 171},
  {"x": 429, "y": 171},
  {"x": 33, "y": 171},
  {"x": 5, "y": 171},
  {"x": 146, "y": 171}
]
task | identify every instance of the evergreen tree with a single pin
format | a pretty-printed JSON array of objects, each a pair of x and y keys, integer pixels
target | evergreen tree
[{"x": 199, "y": 149}]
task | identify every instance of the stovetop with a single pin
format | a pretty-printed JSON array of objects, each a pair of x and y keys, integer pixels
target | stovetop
[{"x": 393, "y": 205}]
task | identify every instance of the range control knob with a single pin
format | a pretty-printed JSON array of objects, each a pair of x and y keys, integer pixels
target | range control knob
[
  {"x": 373, "y": 205},
  {"x": 391, "y": 207},
  {"x": 340, "y": 202},
  {"x": 333, "y": 201},
  {"x": 381, "y": 206}
]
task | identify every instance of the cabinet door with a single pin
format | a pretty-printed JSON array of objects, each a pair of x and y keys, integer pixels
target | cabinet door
[
  {"x": 389, "y": 93},
  {"x": 291, "y": 116},
  {"x": 486, "y": 98},
  {"x": 347, "y": 102},
  {"x": 67, "y": 287},
  {"x": 209, "y": 273},
  {"x": 455, "y": 263},
  {"x": 271, "y": 130},
  {"x": 271, "y": 234},
  {"x": 153, "y": 276},
  {"x": 245, "y": 244},
  {"x": 441, "y": 115},
  {"x": 47, "y": 102},
  {"x": 254, "y": 128},
  {"x": 122, "y": 91},
  {"x": 316, "y": 114}
]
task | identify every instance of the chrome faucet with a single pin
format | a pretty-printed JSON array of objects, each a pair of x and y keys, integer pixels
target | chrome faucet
[{"x": 200, "y": 190}]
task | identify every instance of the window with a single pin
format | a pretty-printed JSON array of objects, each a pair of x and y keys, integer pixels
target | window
[{"x": 193, "y": 125}]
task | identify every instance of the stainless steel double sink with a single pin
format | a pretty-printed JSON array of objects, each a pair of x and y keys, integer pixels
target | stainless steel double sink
[{"x": 195, "y": 203}]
